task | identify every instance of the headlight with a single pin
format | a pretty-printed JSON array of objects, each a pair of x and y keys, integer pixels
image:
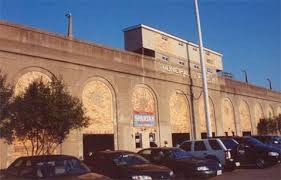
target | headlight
[
  {"x": 202, "y": 168},
  {"x": 273, "y": 154},
  {"x": 141, "y": 177},
  {"x": 171, "y": 173}
]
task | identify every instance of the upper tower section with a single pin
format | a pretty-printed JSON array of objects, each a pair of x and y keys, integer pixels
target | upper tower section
[{"x": 155, "y": 43}]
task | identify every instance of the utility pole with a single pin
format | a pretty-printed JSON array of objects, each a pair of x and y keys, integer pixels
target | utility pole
[{"x": 203, "y": 69}]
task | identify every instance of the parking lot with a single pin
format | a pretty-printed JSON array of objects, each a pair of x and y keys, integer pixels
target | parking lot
[{"x": 270, "y": 173}]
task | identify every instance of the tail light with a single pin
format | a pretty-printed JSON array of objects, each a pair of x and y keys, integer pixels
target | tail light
[{"x": 227, "y": 154}]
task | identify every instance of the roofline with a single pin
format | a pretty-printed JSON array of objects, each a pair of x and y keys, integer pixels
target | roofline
[{"x": 168, "y": 35}]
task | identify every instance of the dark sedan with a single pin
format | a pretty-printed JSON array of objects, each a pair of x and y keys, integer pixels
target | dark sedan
[
  {"x": 274, "y": 141},
  {"x": 182, "y": 163},
  {"x": 127, "y": 165},
  {"x": 252, "y": 151},
  {"x": 50, "y": 167}
]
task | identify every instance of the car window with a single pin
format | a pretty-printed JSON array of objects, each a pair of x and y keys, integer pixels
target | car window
[
  {"x": 186, "y": 146},
  {"x": 129, "y": 159},
  {"x": 199, "y": 146},
  {"x": 146, "y": 152},
  {"x": 229, "y": 143},
  {"x": 214, "y": 144},
  {"x": 18, "y": 163}
]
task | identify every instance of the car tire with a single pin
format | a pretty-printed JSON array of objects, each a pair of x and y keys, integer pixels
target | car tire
[{"x": 260, "y": 163}]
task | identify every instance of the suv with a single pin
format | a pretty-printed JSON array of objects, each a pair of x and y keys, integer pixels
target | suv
[
  {"x": 252, "y": 151},
  {"x": 210, "y": 148}
]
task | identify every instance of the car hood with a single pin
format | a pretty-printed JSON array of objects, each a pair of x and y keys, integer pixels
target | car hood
[
  {"x": 93, "y": 176},
  {"x": 268, "y": 148},
  {"x": 196, "y": 161},
  {"x": 143, "y": 168}
]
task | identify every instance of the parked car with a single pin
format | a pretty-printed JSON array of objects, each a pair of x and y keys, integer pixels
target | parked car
[
  {"x": 181, "y": 162},
  {"x": 211, "y": 149},
  {"x": 127, "y": 165},
  {"x": 50, "y": 167},
  {"x": 274, "y": 141},
  {"x": 252, "y": 151}
]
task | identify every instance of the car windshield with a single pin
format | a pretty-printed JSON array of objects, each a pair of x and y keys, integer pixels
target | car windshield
[
  {"x": 253, "y": 141},
  {"x": 129, "y": 159},
  {"x": 229, "y": 143},
  {"x": 180, "y": 154}
]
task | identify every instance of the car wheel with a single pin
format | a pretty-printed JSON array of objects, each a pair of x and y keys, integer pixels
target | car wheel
[{"x": 260, "y": 163}]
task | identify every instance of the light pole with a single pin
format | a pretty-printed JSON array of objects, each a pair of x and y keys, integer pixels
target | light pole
[
  {"x": 246, "y": 77},
  {"x": 203, "y": 69},
  {"x": 69, "y": 25},
  {"x": 269, "y": 81}
]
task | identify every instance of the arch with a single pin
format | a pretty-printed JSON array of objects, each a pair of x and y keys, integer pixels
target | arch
[
  {"x": 27, "y": 78},
  {"x": 98, "y": 99},
  {"x": 245, "y": 117},
  {"x": 258, "y": 113},
  {"x": 145, "y": 123},
  {"x": 179, "y": 113},
  {"x": 203, "y": 127},
  {"x": 278, "y": 111},
  {"x": 228, "y": 117},
  {"x": 270, "y": 112}
]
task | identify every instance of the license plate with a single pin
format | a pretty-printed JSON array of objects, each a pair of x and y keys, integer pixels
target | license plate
[
  {"x": 219, "y": 172},
  {"x": 237, "y": 164}
]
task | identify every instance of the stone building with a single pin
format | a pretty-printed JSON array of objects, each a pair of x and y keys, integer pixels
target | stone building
[{"x": 133, "y": 99}]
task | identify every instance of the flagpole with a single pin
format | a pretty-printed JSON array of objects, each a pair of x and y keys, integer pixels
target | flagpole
[{"x": 203, "y": 70}]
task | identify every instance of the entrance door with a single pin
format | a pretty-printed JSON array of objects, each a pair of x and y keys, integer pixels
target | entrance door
[
  {"x": 97, "y": 142},
  {"x": 178, "y": 138},
  {"x": 145, "y": 139}
]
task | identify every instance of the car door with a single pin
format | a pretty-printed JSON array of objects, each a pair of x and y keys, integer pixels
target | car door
[
  {"x": 245, "y": 152},
  {"x": 200, "y": 149},
  {"x": 215, "y": 149}
]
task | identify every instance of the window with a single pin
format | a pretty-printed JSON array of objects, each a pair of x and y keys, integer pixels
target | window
[
  {"x": 181, "y": 62},
  {"x": 196, "y": 66},
  {"x": 138, "y": 140},
  {"x": 214, "y": 144},
  {"x": 210, "y": 61},
  {"x": 146, "y": 152},
  {"x": 165, "y": 38},
  {"x": 186, "y": 146},
  {"x": 180, "y": 43},
  {"x": 166, "y": 58},
  {"x": 209, "y": 70},
  {"x": 199, "y": 146}
]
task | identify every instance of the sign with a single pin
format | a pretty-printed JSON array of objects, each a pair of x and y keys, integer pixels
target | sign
[{"x": 144, "y": 120}]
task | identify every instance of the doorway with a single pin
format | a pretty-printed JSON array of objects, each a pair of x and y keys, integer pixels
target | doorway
[
  {"x": 178, "y": 138},
  {"x": 93, "y": 143}
]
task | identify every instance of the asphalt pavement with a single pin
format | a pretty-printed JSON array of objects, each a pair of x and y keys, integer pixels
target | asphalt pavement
[{"x": 269, "y": 173}]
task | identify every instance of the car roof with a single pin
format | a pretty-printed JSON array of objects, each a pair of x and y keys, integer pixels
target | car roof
[
  {"x": 162, "y": 148},
  {"x": 114, "y": 153},
  {"x": 45, "y": 158}
]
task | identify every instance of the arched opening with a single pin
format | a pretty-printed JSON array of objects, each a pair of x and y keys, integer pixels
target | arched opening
[
  {"x": 144, "y": 118},
  {"x": 179, "y": 118},
  {"x": 245, "y": 118},
  {"x": 202, "y": 119},
  {"x": 228, "y": 118},
  {"x": 98, "y": 101}
]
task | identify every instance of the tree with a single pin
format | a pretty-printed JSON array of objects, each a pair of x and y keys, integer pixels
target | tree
[
  {"x": 43, "y": 116},
  {"x": 6, "y": 93},
  {"x": 269, "y": 126}
]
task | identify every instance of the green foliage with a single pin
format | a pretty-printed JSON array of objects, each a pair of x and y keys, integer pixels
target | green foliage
[
  {"x": 269, "y": 126},
  {"x": 6, "y": 93},
  {"x": 43, "y": 116}
]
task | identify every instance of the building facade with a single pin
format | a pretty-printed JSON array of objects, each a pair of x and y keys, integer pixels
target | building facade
[{"x": 133, "y": 100}]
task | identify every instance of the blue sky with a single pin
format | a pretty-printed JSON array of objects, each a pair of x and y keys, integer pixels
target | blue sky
[{"x": 247, "y": 32}]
